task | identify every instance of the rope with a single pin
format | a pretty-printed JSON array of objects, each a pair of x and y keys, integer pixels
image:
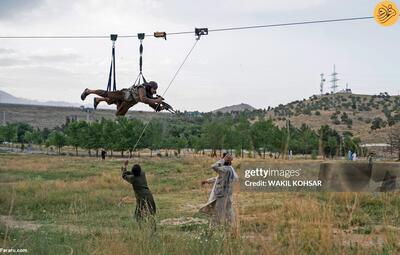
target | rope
[
  {"x": 191, "y": 32},
  {"x": 165, "y": 91},
  {"x": 112, "y": 70}
]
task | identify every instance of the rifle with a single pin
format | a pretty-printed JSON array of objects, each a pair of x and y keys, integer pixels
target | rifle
[{"x": 164, "y": 106}]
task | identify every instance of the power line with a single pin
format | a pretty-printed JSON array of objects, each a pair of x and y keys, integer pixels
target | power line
[
  {"x": 190, "y": 32},
  {"x": 291, "y": 24}
]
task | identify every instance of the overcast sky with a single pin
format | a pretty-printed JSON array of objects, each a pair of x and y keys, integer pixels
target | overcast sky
[{"x": 261, "y": 67}]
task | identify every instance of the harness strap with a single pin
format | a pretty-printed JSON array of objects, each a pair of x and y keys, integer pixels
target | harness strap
[{"x": 112, "y": 66}]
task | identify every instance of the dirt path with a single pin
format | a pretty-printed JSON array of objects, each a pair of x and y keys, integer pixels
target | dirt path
[
  {"x": 183, "y": 221},
  {"x": 10, "y": 222}
]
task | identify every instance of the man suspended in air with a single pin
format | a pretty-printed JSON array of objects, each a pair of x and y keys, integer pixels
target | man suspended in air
[{"x": 128, "y": 97}]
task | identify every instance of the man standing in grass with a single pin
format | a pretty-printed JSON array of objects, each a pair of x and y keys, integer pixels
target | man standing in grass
[
  {"x": 220, "y": 203},
  {"x": 145, "y": 205}
]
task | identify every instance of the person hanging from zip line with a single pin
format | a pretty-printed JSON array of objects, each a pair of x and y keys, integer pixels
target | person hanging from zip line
[{"x": 128, "y": 97}]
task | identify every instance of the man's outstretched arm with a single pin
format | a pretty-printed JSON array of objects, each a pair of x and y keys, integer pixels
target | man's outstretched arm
[
  {"x": 144, "y": 99},
  {"x": 126, "y": 175}
]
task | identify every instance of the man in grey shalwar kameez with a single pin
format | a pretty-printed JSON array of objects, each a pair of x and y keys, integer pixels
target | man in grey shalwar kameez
[{"x": 220, "y": 202}]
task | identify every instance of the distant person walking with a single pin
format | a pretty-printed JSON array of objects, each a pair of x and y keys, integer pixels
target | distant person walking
[
  {"x": 354, "y": 156},
  {"x": 103, "y": 154},
  {"x": 350, "y": 155},
  {"x": 145, "y": 205}
]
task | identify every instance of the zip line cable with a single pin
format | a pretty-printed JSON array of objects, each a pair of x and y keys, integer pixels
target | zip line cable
[
  {"x": 165, "y": 91},
  {"x": 191, "y": 32}
]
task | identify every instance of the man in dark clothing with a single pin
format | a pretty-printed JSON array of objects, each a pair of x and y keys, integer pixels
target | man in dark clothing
[
  {"x": 128, "y": 97},
  {"x": 145, "y": 205}
]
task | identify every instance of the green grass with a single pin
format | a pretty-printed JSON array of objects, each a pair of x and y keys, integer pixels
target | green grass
[{"x": 77, "y": 202}]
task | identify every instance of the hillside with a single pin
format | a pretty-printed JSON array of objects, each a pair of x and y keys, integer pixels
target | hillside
[
  {"x": 369, "y": 117},
  {"x": 51, "y": 116},
  {"x": 235, "y": 108}
]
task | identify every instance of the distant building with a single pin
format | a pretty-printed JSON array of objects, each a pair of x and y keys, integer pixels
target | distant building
[{"x": 347, "y": 90}]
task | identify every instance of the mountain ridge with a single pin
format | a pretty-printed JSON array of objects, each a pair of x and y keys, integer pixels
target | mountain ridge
[
  {"x": 7, "y": 98},
  {"x": 235, "y": 108}
]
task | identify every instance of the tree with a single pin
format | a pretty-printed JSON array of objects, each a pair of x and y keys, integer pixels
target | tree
[
  {"x": 391, "y": 121},
  {"x": 22, "y": 128},
  {"x": 34, "y": 137},
  {"x": 134, "y": 130},
  {"x": 327, "y": 139},
  {"x": 332, "y": 144},
  {"x": 213, "y": 135},
  {"x": 179, "y": 143},
  {"x": 231, "y": 137},
  {"x": 377, "y": 123},
  {"x": 197, "y": 143},
  {"x": 123, "y": 132},
  {"x": 153, "y": 137},
  {"x": 262, "y": 133},
  {"x": 75, "y": 131},
  {"x": 244, "y": 135},
  {"x": 93, "y": 137},
  {"x": 109, "y": 134},
  {"x": 58, "y": 139},
  {"x": 307, "y": 138},
  {"x": 9, "y": 133}
]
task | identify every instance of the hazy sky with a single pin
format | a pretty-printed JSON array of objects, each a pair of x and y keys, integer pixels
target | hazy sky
[{"x": 260, "y": 67}]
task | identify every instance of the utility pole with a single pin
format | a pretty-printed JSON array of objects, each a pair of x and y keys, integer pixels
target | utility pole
[
  {"x": 321, "y": 85},
  {"x": 334, "y": 85},
  {"x": 334, "y": 80}
]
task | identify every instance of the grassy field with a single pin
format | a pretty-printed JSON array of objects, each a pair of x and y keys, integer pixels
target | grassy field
[{"x": 80, "y": 205}]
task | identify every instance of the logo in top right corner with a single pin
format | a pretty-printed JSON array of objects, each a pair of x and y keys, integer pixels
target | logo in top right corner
[{"x": 386, "y": 13}]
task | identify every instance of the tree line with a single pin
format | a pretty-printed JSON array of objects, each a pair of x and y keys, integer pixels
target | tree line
[{"x": 202, "y": 134}]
